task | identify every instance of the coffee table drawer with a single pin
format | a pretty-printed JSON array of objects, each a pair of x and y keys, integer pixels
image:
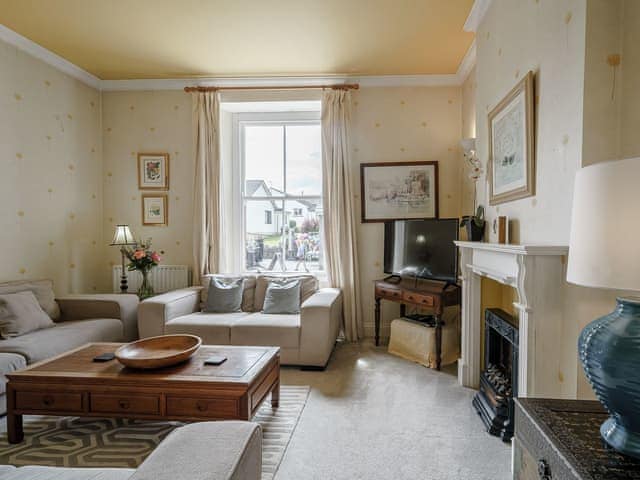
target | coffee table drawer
[
  {"x": 125, "y": 403},
  {"x": 202, "y": 407},
  {"x": 49, "y": 401}
]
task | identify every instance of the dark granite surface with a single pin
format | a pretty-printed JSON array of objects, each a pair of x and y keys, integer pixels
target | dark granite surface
[{"x": 573, "y": 426}]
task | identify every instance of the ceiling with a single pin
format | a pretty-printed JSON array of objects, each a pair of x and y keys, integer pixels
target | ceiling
[{"x": 130, "y": 39}]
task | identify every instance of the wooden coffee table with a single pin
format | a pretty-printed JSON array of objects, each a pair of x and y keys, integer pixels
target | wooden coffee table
[{"x": 73, "y": 384}]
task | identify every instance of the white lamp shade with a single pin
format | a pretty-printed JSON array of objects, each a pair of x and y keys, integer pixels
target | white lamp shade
[
  {"x": 604, "y": 250},
  {"x": 123, "y": 236}
]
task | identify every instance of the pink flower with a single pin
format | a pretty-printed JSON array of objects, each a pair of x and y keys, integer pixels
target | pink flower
[
  {"x": 155, "y": 257},
  {"x": 138, "y": 254}
]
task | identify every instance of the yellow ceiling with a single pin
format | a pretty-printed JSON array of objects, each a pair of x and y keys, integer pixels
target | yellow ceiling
[{"x": 127, "y": 39}]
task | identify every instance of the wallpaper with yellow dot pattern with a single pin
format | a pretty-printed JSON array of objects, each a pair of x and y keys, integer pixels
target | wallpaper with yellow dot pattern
[
  {"x": 155, "y": 122},
  {"x": 547, "y": 37},
  {"x": 50, "y": 175},
  {"x": 403, "y": 124}
]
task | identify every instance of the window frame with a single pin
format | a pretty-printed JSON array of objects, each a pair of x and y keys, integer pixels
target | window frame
[{"x": 240, "y": 120}]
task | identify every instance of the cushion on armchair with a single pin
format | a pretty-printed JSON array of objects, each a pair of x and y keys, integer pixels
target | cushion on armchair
[
  {"x": 282, "y": 297},
  {"x": 21, "y": 313},
  {"x": 42, "y": 289},
  {"x": 224, "y": 297},
  {"x": 248, "y": 289},
  {"x": 308, "y": 286}
]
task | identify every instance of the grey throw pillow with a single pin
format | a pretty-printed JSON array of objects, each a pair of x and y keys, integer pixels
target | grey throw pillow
[
  {"x": 21, "y": 313},
  {"x": 282, "y": 297},
  {"x": 224, "y": 297}
]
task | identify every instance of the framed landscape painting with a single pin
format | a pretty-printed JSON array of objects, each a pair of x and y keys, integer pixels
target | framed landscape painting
[
  {"x": 155, "y": 210},
  {"x": 512, "y": 145},
  {"x": 153, "y": 171},
  {"x": 399, "y": 190}
]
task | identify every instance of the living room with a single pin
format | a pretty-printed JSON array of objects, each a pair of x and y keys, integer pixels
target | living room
[{"x": 237, "y": 183}]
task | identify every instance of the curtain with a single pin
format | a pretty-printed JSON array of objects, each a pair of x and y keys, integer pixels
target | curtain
[
  {"x": 206, "y": 192},
  {"x": 338, "y": 205}
]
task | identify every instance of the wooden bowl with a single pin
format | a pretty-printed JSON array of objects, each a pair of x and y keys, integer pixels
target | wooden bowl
[{"x": 158, "y": 352}]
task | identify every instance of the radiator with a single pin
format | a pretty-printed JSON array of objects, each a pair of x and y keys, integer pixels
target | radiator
[{"x": 163, "y": 278}]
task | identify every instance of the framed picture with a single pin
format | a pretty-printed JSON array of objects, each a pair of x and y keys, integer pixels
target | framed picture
[
  {"x": 398, "y": 190},
  {"x": 153, "y": 171},
  {"x": 155, "y": 210},
  {"x": 511, "y": 145}
]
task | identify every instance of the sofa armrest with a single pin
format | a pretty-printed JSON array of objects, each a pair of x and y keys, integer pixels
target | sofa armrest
[
  {"x": 230, "y": 450},
  {"x": 320, "y": 322},
  {"x": 121, "y": 306},
  {"x": 155, "y": 312}
]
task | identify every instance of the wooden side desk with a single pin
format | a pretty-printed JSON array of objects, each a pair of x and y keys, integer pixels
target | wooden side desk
[{"x": 423, "y": 293}]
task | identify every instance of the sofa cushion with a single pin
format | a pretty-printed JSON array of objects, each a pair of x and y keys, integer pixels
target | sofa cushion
[
  {"x": 224, "y": 297},
  {"x": 248, "y": 291},
  {"x": 42, "y": 289},
  {"x": 308, "y": 286},
  {"x": 267, "y": 330},
  {"x": 21, "y": 313},
  {"x": 43, "y": 344},
  {"x": 63, "y": 473},
  {"x": 282, "y": 297},
  {"x": 9, "y": 362},
  {"x": 213, "y": 328}
]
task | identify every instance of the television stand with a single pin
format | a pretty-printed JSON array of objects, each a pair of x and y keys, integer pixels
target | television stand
[{"x": 422, "y": 293}]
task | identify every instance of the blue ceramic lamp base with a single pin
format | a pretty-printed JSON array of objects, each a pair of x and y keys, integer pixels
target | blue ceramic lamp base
[{"x": 609, "y": 349}]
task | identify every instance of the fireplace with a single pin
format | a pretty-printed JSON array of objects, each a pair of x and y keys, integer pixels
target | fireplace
[{"x": 499, "y": 379}]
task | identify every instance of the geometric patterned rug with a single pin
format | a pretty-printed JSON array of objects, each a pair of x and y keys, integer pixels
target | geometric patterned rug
[{"x": 111, "y": 442}]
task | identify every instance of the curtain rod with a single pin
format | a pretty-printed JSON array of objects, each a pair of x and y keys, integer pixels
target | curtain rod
[{"x": 345, "y": 86}]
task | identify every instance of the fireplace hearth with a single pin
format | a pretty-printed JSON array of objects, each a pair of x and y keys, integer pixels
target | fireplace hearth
[{"x": 499, "y": 379}]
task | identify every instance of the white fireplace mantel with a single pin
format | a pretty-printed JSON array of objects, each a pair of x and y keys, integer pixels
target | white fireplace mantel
[{"x": 537, "y": 272}]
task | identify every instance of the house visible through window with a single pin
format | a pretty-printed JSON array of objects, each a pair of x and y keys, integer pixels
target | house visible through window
[{"x": 281, "y": 175}]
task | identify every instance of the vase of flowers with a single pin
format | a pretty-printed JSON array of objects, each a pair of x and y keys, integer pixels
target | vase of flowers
[{"x": 143, "y": 259}]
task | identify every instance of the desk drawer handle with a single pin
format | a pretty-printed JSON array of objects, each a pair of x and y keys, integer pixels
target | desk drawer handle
[
  {"x": 124, "y": 404},
  {"x": 202, "y": 406},
  {"x": 48, "y": 400},
  {"x": 409, "y": 297},
  {"x": 425, "y": 300}
]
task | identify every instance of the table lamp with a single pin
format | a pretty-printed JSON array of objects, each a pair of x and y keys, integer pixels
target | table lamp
[
  {"x": 604, "y": 252},
  {"x": 122, "y": 238}
]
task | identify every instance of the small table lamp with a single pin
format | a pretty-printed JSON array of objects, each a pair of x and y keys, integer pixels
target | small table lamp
[
  {"x": 604, "y": 252},
  {"x": 122, "y": 238}
]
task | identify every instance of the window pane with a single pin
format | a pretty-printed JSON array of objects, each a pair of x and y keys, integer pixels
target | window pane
[
  {"x": 264, "y": 160},
  {"x": 304, "y": 160},
  {"x": 291, "y": 242}
]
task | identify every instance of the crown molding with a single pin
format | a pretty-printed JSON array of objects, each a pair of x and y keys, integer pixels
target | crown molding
[
  {"x": 363, "y": 80},
  {"x": 467, "y": 63},
  {"x": 477, "y": 13},
  {"x": 48, "y": 57},
  {"x": 65, "y": 66}
]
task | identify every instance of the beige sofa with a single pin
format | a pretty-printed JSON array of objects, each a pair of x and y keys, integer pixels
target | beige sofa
[
  {"x": 306, "y": 339},
  {"x": 79, "y": 319},
  {"x": 201, "y": 451}
]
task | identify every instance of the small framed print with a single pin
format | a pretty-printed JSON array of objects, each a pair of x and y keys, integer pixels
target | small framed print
[
  {"x": 155, "y": 210},
  {"x": 153, "y": 171}
]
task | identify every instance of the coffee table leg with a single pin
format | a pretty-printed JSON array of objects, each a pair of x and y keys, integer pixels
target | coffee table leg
[
  {"x": 275, "y": 395},
  {"x": 15, "y": 433}
]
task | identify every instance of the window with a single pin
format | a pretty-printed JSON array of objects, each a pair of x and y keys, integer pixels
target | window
[{"x": 280, "y": 172}]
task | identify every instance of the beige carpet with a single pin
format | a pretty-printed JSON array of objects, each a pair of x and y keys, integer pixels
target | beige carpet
[{"x": 98, "y": 442}]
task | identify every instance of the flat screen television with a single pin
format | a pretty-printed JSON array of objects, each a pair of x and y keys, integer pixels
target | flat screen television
[{"x": 422, "y": 248}]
